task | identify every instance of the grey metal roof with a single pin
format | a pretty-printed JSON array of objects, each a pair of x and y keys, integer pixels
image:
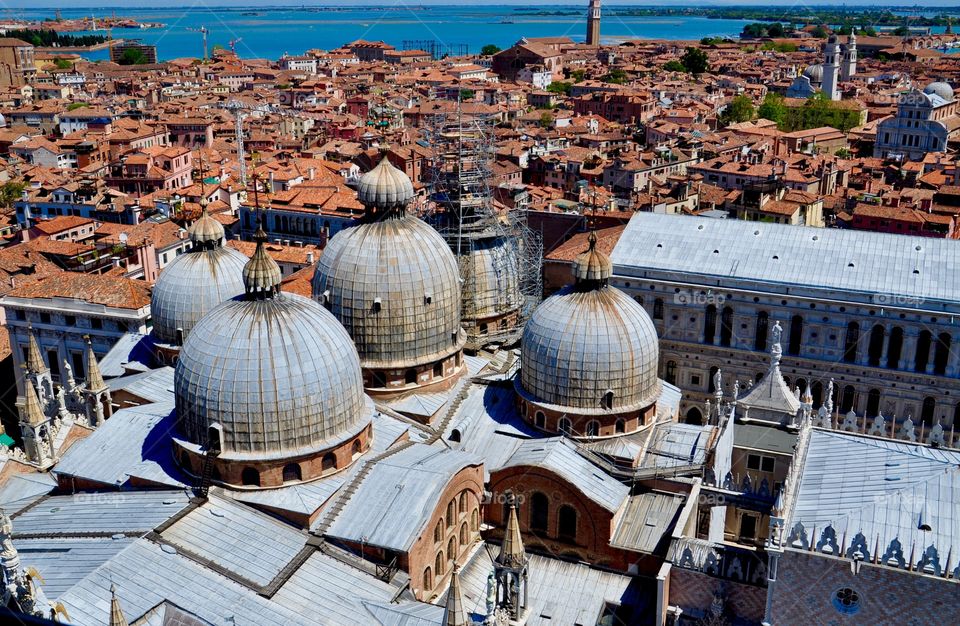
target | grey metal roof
[
  {"x": 155, "y": 385},
  {"x": 100, "y": 512},
  {"x": 133, "y": 442},
  {"x": 558, "y": 455},
  {"x": 561, "y": 592},
  {"x": 757, "y": 437},
  {"x": 392, "y": 505},
  {"x": 410, "y": 614},
  {"x": 881, "y": 488},
  {"x": 646, "y": 522},
  {"x": 247, "y": 542},
  {"x": 673, "y": 444},
  {"x": 131, "y": 351},
  {"x": 21, "y": 490},
  {"x": 146, "y": 575},
  {"x": 330, "y": 591},
  {"x": 65, "y": 561},
  {"x": 692, "y": 249}
]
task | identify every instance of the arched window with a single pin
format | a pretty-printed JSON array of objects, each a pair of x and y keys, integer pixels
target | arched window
[
  {"x": 847, "y": 401},
  {"x": 438, "y": 563},
  {"x": 464, "y": 534},
  {"x": 438, "y": 532},
  {"x": 451, "y": 513},
  {"x": 671, "y": 373},
  {"x": 923, "y": 351},
  {"x": 927, "y": 413},
  {"x": 850, "y": 342},
  {"x": 710, "y": 325},
  {"x": 427, "y": 579},
  {"x": 410, "y": 377},
  {"x": 796, "y": 335},
  {"x": 620, "y": 426},
  {"x": 817, "y": 394},
  {"x": 658, "y": 308},
  {"x": 250, "y": 476},
  {"x": 357, "y": 447},
  {"x": 329, "y": 462},
  {"x": 539, "y": 512},
  {"x": 694, "y": 416},
  {"x": 758, "y": 378},
  {"x": 438, "y": 369},
  {"x": 564, "y": 426},
  {"x": 379, "y": 379},
  {"x": 726, "y": 326},
  {"x": 760, "y": 334},
  {"x": 875, "y": 348},
  {"x": 942, "y": 354},
  {"x": 608, "y": 400},
  {"x": 455, "y": 435},
  {"x": 475, "y": 520},
  {"x": 895, "y": 349},
  {"x": 462, "y": 503},
  {"x": 540, "y": 419},
  {"x": 452, "y": 549},
  {"x": 291, "y": 472},
  {"x": 711, "y": 386},
  {"x": 567, "y": 523},
  {"x": 802, "y": 385},
  {"x": 483, "y": 329},
  {"x": 593, "y": 428},
  {"x": 873, "y": 402}
]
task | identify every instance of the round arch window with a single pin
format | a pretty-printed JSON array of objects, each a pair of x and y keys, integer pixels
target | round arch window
[{"x": 846, "y": 601}]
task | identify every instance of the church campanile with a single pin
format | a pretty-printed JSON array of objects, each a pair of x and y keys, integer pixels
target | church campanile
[{"x": 593, "y": 23}]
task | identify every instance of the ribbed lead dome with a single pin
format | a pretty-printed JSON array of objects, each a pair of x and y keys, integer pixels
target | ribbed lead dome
[
  {"x": 195, "y": 282},
  {"x": 395, "y": 286},
  {"x": 206, "y": 230},
  {"x": 280, "y": 375},
  {"x": 385, "y": 187},
  {"x": 587, "y": 341}
]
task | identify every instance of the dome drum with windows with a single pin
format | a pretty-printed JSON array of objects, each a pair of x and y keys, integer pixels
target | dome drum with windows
[
  {"x": 589, "y": 357},
  {"x": 393, "y": 282},
  {"x": 268, "y": 388}
]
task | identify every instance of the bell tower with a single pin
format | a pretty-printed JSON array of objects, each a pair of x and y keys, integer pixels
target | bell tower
[{"x": 593, "y": 23}]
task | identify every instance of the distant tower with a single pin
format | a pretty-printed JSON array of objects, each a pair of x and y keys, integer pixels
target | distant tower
[
  {"x": 831, "y": 68},
  {"x": 593, "y": 23},
  {"x": 849, "y": 67},
  {"x": 510, "y": 569}
]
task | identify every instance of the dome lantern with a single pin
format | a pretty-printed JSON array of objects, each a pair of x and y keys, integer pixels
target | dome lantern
[
  {"x": 261, "y": 274},
  {"x": 592, "y": 269},
  {"x": 206, "y": 233},
  {"x": 385, "y": 191}
]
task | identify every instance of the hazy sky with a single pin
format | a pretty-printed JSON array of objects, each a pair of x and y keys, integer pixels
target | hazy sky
[{"x": 254, "y": 3}]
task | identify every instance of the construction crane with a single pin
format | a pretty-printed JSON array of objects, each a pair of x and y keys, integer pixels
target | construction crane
[
  {"x": 241, "y": 110},
  {"x": 203, "y": 30},
  {"x": 233, "y": 44}
]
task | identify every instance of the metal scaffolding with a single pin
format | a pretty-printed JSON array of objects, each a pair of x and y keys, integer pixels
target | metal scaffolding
[{"x": 500, "y": 257}]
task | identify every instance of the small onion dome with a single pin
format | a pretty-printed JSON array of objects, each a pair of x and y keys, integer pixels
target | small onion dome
[
  {"x": 385, "y": 187},
  {"x": 592, "y": 266},
  {"x": 279, "y": 375},
  {"x": 590, "y": 348},
  {"x": 942, "y": 89},
  {"x": 261, "y": 274},
  {"x": 206, "y": 232}
]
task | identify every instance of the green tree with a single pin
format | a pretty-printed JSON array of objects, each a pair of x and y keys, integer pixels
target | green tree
[
  {"x": 73, "y": 106},
  {"x": 695, "y": 61},
  {"x": 10, "y": 192},
  {"x": 772, "y": 108},
  {"x": 578, "y": 75},
  {"x": 674, "y": 66},
  {"x": 820, "y": 32},
  {"x": 560, "y": 88},
  {"x": 776, "y": 30},
  {"x": 132, "y": 56},
  {"x": 467, "y": 94},
  {"x": 901, "y": 31},
  {"x": 843, "y": 153},
  {"x": 489, "y": 50},
  {"x": 62, "y": 64},
  {"x": 616, "y": 76},
  {"x": 739, "y": 110},
  {"x": 546, "y": 119}
]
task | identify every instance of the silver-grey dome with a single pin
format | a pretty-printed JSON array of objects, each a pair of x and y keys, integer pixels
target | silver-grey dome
[
  {"x": 491, "y": 278},
  {"x": 578, "y": 345},
  {"x": 942, "y": 89},
  {"x": 206, "y": 230},
  {"x": 280, "y": 375},
  {"x": 814, "y": 73},
  {"x": 385, "y": 186},
  {"x": 394, "y": 284},
  {"x": 190, "y": 286}
]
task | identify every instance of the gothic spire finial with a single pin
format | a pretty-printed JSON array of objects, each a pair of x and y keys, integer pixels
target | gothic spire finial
[
  {"x": 454, "y": 613},
  {"x": 512, "y": 553},
  {"x": 94, "y": 378},
  {"x": 33, "y": 412},
  {"x": 35, "y": 364},
  {"x": 116, "y": 613}
]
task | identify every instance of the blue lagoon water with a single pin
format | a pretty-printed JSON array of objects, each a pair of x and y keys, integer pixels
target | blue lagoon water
[{"x": 269, "y": 32}]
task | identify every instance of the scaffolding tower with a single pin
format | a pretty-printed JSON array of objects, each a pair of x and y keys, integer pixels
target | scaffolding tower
[{"x": 500, "y": 257}]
